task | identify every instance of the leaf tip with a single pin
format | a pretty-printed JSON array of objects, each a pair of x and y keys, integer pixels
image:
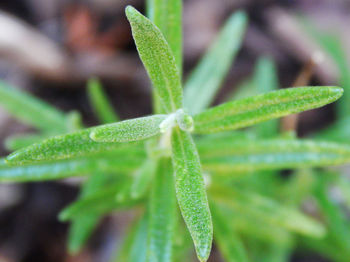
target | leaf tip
[
  {"x": 130, "y": 10},
  {"x": 63, "y": 216}
]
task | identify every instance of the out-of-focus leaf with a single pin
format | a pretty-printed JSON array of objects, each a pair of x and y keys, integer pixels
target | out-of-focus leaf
[
  {"x": 138, "y": 250},
  {"x": 19, "y": 141},
  {"x": 227, "y": 239},
  {"x": 99, "y": 101},
  {"x": 266, "y": 80},
  {"x": 142, "y": 178},
  {"x": 190, "y": 192},
  {"x": 158, "y": 59},
  {"x": 31, "y": 110},
  {"x": 162, "y": 214},
  {"x": 243, "y": 155},
  {"x": 64, "y": 146},
  {"x": 331, "y": 43},
  {"x": 244, "y": 89},
  {"x": 334, "y": 217},
  {"x": 249, "y": 227},
  {"x": 204, "y": 82},
  {"x": 267, "y": 209},
  {"x": 99, "y": 203},
  {"x": 69, "y": 168},
  {"x": 79, "y": 231},
  {"x": 167, "y": 16},
  {"x": 256, "y": 109},
  {"x": 128, "y": 130},
  {"x": 81, "y": 227},
  {"x": 339, "y": 131}
]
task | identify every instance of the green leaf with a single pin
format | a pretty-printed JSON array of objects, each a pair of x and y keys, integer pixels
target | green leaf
[
  {"x": 234, "y": 156},
  {"x": 334, "y": 216},
  {"x": 158, "y": 60},
  {"x": 266, "y": 209},
  {"x": 142, "y": 178},
  {"x": 79, "y": 231},
  {"x": 65, "y": 146},
  {"x": 81, "y": 228},
  {"x": 99, "y": 101},
  {"x": 190, "y": 192},
  {"x": 167, "y": 16},
  {"x": 227, "y": 239},
  {"x": 31, "y": 110},
  {"x": 204, "y": 82},
  {"x": 162, "y": 214},
  {"x": 19, "y": 141},
  {"x": 69, "y": 168},
  {"x": 266, "y": 80},
  {"x": 249, "y": 227},
  {"x": 138, "y": 250},
  {"x": 128, "y": 130},
  {"x": 99, "y": 203},
  {"x": 245, "y": 89},
  {"x": 256, "y": 109}
]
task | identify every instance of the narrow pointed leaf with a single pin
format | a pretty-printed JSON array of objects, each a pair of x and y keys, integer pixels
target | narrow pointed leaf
[
  {"x": 190, "y": 192},
  {"x": 158, "y": 59},
  {"x": 228, "y": 241},
  {"x": 256, "y": 109},
  {"x": 204, "y": 82},
  {"x": 31, "y": 110},
  {"x": 266, "y": 81},
  {"x": 68, "y": 168},
  {"x": 128, "y": 130},
  {"x": 273, "y": 154},
  {"x": 62, "y": 147},
  {"x": 99, "y": 101},
  {"x": 162, "y": 214},
  {"x": 167, "y": 16}
]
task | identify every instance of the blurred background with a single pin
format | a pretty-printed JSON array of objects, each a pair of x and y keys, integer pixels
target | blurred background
[{"x": 51, "y": 47}]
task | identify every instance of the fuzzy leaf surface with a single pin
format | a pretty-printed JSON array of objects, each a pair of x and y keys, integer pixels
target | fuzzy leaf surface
[
  {"x": 158, "y": 60},
  {"x": 167, "y": 16},
  {"x": 190, "y": 192},
  {"x": 271, "y": 154},
  {"x": 128, "y": 130},
  {"x": 249, "y": 111},
  {"x": 65, "y": 146},
  {"x": 205, "y": 80}
]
